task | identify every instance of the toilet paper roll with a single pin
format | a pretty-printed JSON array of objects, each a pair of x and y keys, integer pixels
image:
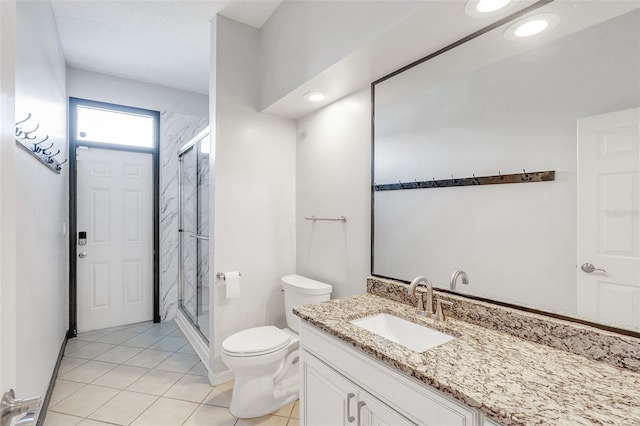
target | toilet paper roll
[{"x": 232, "y": 281}]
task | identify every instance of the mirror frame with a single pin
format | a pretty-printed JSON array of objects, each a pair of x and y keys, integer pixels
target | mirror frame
[{"x": 509, "y": 18}]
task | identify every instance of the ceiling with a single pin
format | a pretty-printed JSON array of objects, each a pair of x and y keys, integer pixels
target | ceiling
[{"x": 165, "y": 42}]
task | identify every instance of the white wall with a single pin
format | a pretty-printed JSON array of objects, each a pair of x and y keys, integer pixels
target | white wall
[
  {"x": 7, "y": 196},
  {"x": 333, "y": 162},
  {"x": 303, "y": 38},
  {"x": 253, "y": 175},
  {"x": 105, "y": 88},
  {"x": 41, "y": 202}
]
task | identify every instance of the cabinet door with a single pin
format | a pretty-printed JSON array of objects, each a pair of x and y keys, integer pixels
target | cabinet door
[
  {"x": 327, "y": 397},
  {"x": 372, "y": 412}
]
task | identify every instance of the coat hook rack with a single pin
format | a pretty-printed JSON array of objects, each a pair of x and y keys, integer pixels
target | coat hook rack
[
  {"x": 330, "y": 219},
  {"x": 524, "y": 177},
  {"x": 26, "y": 138}
]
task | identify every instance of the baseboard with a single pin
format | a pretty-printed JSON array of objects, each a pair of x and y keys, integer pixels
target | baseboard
[
  {"x": 44, "y": 407},
  {"x": 219, "y": 378},
  {"x": 195, "y": 339}
]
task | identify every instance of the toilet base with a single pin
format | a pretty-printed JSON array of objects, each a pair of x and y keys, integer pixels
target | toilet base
[{"x": 255, "y": 396}]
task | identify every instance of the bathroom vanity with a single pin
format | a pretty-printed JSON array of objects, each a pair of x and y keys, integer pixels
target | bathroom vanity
[{"x": 483, "y": 376}]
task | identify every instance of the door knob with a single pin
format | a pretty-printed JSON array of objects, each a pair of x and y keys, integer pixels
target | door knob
[
  {"x": 589, "y": 268},
  {"x": 82, "y": 255}
]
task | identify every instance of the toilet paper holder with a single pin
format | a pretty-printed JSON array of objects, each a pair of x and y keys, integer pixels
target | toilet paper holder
[{"x": 221, "y": 276}]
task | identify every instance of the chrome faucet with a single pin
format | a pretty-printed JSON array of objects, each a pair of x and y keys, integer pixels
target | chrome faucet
[
  {"x": 425, "y": 300},
  {"x": 458, "y": 273},
  {"x": 11, "y": 407}
]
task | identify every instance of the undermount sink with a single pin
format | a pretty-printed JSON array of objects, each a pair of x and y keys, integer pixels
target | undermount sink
[{"x": 406, "y": 333}]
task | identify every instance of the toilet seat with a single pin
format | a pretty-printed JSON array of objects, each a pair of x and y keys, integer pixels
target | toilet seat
[{"x": 256, "y": 341}]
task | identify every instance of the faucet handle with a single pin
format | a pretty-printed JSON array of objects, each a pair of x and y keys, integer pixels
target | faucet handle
[
  {"x": 420, "y": 305},
  {"x": 439, "y": 311}
]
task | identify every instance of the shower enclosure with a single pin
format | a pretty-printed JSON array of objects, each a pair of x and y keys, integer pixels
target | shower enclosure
[{"x": 193, "y": 223}]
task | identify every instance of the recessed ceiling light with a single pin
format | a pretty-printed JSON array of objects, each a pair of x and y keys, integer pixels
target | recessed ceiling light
[
  {"x": 315, "y": 96},
  {"x": 531, "y": 25},
  {"x": 482, "y": 8}
]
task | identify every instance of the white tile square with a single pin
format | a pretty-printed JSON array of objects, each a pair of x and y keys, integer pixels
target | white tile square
[
  {"x": 121, "y": 377},
  {"x": 91, "y": 350},
  {"x": 68, "y": 363},
  {"x": 83, "y": 403},
  {"x": 166, "y": 411},
  {"x": 142, "y": 340},
  {"x": 119, "y": 354},
  {"x": 89, "y": 371},
  {"x": 187, "y": 349},
  {"x": 180, "y": 363},
  {"x": 58, "y": 419},
  {"x": 220, "y": 395},
  {"x": 92, "y": 336},
  {"x": 155, "y": 382},
  {"x": 163, "y": 328},
  {"x": 284, "y": 411},
  {"x": 148, "y": 358},
  {"x": 169, "y": 343},
  {"x": 190, "y": 388},
  {"x": 209, "y": 415},
  {"x": 177, "y": 333},
  {"x": 117, "y": 337},
  {"x": 140, "y": 327},
  {"x": 199, "y": 370},
  {"x": 89, "y": 422},
  {"x": 263, "y": 421},
  {"x": 63, "y": 389},
  {"x": 73, "y": 344},
  {"x": 124, "y": 408}
]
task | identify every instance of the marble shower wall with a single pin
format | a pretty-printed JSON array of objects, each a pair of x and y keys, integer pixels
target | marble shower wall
[{"x": 175, "y": 130}]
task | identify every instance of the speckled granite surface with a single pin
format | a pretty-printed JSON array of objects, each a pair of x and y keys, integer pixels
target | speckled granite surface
[
  {"x": 515, "y": 381},
  {"x": 596, "y": 344}
]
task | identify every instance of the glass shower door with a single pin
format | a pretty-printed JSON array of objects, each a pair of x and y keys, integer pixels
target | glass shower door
[{"x": 193, "y": 175}]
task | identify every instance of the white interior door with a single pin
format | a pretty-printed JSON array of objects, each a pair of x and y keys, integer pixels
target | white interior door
[
  {"x": 115, "y": 209},
  {"x": 609, "y": 218}
]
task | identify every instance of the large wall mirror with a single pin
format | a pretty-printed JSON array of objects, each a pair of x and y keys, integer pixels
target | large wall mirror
[{"x": 566, "y": 100}]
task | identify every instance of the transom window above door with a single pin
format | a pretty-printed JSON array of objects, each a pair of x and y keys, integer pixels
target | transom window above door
[{"x": 97, "y": 123}]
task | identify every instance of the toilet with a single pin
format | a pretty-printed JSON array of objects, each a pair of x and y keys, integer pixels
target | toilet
[{"x": 264, "y": 359}]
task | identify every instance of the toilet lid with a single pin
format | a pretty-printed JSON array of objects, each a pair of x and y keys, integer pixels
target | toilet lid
[{"x": 255, "y": 341}]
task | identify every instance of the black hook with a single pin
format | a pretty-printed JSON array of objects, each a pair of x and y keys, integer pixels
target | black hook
[
  {"x": 19, "y": 131},
  {"x": 525, "y": 176},
  {"x": 25, "y": 135},
  {"x": 435, "y": 183},
  {"x": 401, "y": 185},
  {"x": 454, "y": 180},
  {"x": 47, "y": 148},
  {"x": 36, "y": 148},
  {"x": 500, "y": 175},
  {"x": 50, "y": 159},
  {"x": 475, "y": 180},
  {"x": 59, "y": 165},
  {"x": 43, "y": 140}
]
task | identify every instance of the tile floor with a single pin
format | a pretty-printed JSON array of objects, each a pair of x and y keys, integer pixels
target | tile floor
[{"x": 143, "y": 375}]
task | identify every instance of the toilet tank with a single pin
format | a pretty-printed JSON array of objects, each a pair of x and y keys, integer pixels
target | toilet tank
[{"x": 300, "y": 291}]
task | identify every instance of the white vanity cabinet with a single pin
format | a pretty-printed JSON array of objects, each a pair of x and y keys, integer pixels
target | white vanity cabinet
[
  {"x": 330, "y": 399},
  {"x": 342, "y": 386}
]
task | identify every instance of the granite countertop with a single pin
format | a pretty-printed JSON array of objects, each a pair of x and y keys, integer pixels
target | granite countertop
[{"x": 515, "y": 381}]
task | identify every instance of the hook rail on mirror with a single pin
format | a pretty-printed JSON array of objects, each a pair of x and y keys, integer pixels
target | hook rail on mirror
[
  {"x": 523, "y": 177},
  {"x": 27, "y": 138}
]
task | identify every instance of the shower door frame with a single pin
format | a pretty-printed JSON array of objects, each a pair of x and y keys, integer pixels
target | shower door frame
[{"x": 185, "y": 148}]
